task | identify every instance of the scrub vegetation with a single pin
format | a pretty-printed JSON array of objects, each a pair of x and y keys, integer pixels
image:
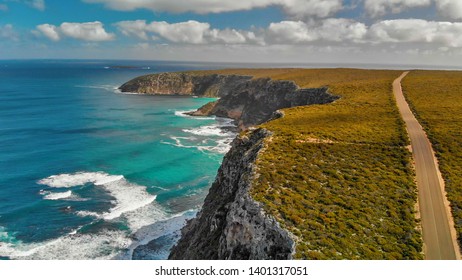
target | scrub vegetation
[
  {"x": 339, "y": 176},
  {"x": 436, "y": 99}
]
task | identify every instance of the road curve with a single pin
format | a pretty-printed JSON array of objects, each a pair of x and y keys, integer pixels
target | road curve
[{"x": 437, "y": 226}]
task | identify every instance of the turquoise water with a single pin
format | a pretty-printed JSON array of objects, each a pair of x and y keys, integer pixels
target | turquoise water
[{"x": 87, "y": 172}]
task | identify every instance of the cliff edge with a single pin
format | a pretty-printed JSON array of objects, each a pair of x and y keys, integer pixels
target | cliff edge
[{"x": 231, "y": 224}]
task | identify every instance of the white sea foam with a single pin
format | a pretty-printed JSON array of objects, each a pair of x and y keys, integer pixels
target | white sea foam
[
  {"x": 104, "y": 245},
  {"x": 57, "y": 196},
  {"x": 168, "y": 226},
  {"x": 210, "y": 130},
  {"x": 132, "y": 202},
  {"x": 110, "y": 88},
  {"x": 184, "y": 114},
  {"x": 222, "y": 146},
  {"x": 128, "y": 196},
  {"x": 79, "y": 179},
  {"x": 87, "y": 214}
]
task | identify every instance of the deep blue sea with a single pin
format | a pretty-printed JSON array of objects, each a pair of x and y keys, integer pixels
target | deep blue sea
[{"x": 87, "y": 172}]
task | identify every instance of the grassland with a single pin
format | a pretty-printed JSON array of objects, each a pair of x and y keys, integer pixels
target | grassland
[
  {"x": 339, "y": 176},
  {"x": 436, "y": 99}
]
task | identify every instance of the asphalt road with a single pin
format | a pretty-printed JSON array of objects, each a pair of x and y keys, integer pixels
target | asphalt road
[{"x": 439, "y": 241}]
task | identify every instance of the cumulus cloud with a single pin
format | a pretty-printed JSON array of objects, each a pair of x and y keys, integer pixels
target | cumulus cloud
[
  {"x": 288, "y": 32},
  {"x": 7, "y": 32},
  {"x": 445, "y": 34},
  {"x": 297, "y": 8},
  {"x": 331, "y": 30},
  {"x": 450, "y": 8},
  {"x": 49, "y": 31},
  {"x": 376, "y": 8},
  {"x": 87, "y": 31},
  {"x": 339, "y": 29},
  {"x": 189, "y": 32}
]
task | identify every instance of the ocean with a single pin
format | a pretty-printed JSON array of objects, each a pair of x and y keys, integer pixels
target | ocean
[{"x": 87, "y": 172}]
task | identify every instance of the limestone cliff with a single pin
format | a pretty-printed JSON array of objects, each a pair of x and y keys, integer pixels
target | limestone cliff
[
  {"x": 231, "y": 224},
  {"x": 184, "y": 84}
]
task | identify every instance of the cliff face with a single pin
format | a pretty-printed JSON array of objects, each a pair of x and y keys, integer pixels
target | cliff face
[
  {"x": 231, "y": 225},
  {"x": 254, "y": 102},
  {"x": 184, "y": 84}
]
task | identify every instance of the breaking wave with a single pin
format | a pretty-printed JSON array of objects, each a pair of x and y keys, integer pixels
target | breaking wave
[{"x": 146, "y": 220}]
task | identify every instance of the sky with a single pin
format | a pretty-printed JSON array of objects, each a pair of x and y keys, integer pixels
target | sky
[{"x": 411, "y": 32}]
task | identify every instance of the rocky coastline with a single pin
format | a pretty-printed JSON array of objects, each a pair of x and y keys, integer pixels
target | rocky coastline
[
  {"x": 248, "y": 101},
  {"x": 231, "y": 224}
]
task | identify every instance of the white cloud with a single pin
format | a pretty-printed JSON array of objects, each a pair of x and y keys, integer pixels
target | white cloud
[
  {"x": 319, "y": 8},
  {"x": 339, "y": 29},
  {"x": 326, "y": 32},
  {"x": 49, "y": 31},
  {"x": 7, "y": 31},
  {"x": 289, "y": 32},
  {"x": 331, "y": 30},
  {"x": 189, "y": 32},
  {"x": 135, "y": 28},
  {"x": 87, "y": 31},
  {"x": 376, "y": 8},
  {"x": 297, "y": 8},
  {"x": 450, "y": 8},
  {"x": 444, "y": 34},
  {"x": 38, "y": 4}
]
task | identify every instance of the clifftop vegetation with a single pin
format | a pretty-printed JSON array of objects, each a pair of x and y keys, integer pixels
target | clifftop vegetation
[
  {"x": 339, "y": 176},
  {"x": 436, "y": 99}
]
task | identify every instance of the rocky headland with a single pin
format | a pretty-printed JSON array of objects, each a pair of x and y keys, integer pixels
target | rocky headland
[
  {"x": 184, "y": 84},
  {"x": 248, "y": 101},
  {"x": 231, "y": 224}
]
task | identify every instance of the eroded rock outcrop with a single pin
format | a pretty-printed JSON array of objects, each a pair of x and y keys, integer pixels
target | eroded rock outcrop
[
  {"x": 231, "y": 224},
  {"x": 254, "y": 102},
  {"x": 184, "y": 84}
]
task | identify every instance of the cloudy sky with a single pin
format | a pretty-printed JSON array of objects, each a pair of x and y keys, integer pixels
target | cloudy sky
[{"x": 303, "y": 31}]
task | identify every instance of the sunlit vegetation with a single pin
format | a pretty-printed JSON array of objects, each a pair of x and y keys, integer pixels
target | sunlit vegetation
[
  {"x": 339, "y": 176},
  {"x": 436, "y": 99}
]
